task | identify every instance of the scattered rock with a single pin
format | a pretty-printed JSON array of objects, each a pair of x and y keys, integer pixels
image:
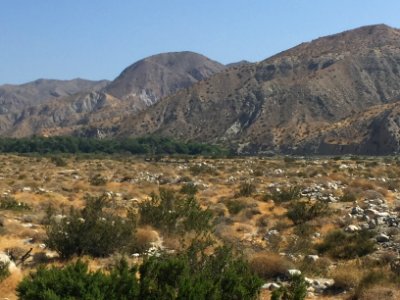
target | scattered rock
[
  {"x": 352, "y": 228},
  {"x": 382, "y": 238}
]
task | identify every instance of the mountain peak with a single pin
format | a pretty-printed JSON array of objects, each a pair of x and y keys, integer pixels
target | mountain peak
[{"x": 152, "y": 78}]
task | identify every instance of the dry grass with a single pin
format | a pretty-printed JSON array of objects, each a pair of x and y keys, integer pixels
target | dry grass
[
  {"x": 347, "y": 276},
  {"x": 135, "y": 179},
  {"x": 7, "y": 287},
  {"x": 269, "y": 265}
]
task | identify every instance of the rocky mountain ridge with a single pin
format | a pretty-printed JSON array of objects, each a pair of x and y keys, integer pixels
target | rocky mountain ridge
[
  {"x": 336, "y": 94},
  {"x": 282, "y": 103}
]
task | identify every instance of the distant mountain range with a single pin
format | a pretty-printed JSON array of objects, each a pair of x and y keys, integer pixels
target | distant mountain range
[{"x": 336, "y": 94}]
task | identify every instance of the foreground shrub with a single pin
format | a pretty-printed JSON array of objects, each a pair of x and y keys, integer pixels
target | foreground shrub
[
  {"x": 188, "y": 275},
  {"x": 91, "y": 231},
  {"x": 75, "y": 281},
  {"x": 343, "y": 245}
]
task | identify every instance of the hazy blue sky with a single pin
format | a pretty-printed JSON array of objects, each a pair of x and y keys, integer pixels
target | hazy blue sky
[{"x": 97, "y": 39}]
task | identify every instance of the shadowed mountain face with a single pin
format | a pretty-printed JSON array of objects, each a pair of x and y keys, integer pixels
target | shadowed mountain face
[
  {"x": 148, "y": 80},
  {"x": 280, "y": 103}
]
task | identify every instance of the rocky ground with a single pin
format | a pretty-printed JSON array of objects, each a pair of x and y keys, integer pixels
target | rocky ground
[{"x": 253, "y": 201}]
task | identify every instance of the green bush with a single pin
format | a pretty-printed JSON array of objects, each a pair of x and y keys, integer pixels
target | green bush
[
  {"x": 296, "y": 290},
  {"x": 9, "y": 203},
  {"x": 171, "y": 213},
  {"x": 190, "y": 275},
  {"x": 91, "y": 231},
  {"x": 75, "y": 281},
  {"x": 199, "y": 277},
  {"x": 343, "y": 245},
  {"x": 302, "y": 211},
  {"x": 285, "y": 195}
]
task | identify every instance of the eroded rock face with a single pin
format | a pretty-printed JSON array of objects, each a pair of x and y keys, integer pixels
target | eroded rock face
[{"x": 296, "y": 101}]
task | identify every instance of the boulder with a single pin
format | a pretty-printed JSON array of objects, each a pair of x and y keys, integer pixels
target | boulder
[
  {"x": 382, "y": 238},
  {"x": 5, "y": 259}
]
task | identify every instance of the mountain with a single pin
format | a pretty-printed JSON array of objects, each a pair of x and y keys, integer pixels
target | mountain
[
  {"x": 150, "y": 79},
  {"x": 137, "y": 87},
  {"x": 238, "y": 63},
  {"x": 16, "y": 97},
  {"x": 285, "y": 102}
]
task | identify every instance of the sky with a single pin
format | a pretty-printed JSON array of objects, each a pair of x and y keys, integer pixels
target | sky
[{"x": 97, "y": 39}]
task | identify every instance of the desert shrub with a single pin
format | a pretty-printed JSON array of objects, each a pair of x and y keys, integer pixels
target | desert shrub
[
  {"x": 4, "y": 271},
  {"x": 302, "y": 211},
  {"x": 347, "y": 276},
  {"x": 143, "y": 239},
  {"x": 235, "y": 206},
  {"x": 343, "y": 245},
  {"x": 75, "y": 281},
  {"x": 296, "y": 290},
  {"x": 196, "y": 275},
  {"x": 98, "y": 180},
  {"x": 58, "y": 161},
  {"x": 299, "y": 245},
  {"x": 285, "y": 195},
  {"x": 171, "y": 213},
  {"x": 189, "y": 189},
  {"x": 91, "y": 231},
  {"x": 9, "y": 203},
  {"x": 198, "y": 169},
  {"x": 315, "y": 268},
  {"x": 269, "y": 266},
  {"x": 188, "y": 275},
  {"x": 348, "y": 197},
  {"x": 246, "y": 189}
]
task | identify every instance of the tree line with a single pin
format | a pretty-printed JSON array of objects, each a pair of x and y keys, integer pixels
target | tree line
[{"x": 148, "y": 145}]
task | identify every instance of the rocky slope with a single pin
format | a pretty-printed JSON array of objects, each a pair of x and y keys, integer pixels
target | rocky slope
[
  {"x": 139, "y": 86},
  {"x": 150, "y": 79},
  {"x": 284, "y": 102},
  {"x": 17, "y": 97}
]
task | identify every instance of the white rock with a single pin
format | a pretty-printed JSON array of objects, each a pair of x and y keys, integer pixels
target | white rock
[
  {"x": 312, "y": 258},
  {"x": 352, "y": 228},
  {"x": 293, "y": 272},
  {"x": 382, "y": 238},
  {"x": 5, "y": 259}
]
